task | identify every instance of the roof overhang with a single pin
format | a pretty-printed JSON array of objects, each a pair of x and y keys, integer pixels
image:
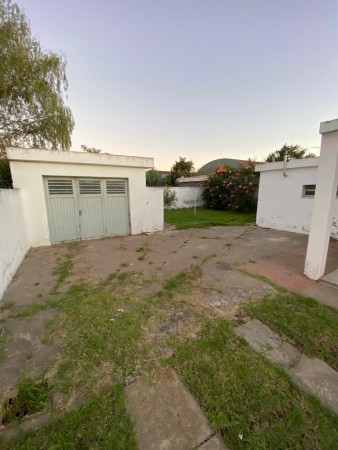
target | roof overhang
[{"x": 70, "y": 157}]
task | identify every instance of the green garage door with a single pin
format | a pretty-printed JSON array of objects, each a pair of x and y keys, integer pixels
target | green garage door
[{"x": 84, "y": 208}]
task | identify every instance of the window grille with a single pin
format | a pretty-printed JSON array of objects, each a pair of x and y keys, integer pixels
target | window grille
[
  {"x": 60, "y": 187},
  {"x": 116, "y": 187},
  {"x": 90, "y": 187}
]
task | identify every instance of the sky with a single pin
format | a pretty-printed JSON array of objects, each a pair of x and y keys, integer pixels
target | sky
[{"x": 200, "y": 79}]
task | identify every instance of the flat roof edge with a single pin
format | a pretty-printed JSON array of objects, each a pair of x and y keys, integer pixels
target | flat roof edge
[
  {"x": 69, "y": 157},
  {"x": 292, "y": 164}
]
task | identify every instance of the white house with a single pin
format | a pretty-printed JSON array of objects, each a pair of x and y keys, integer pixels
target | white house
[{"x": 286, "y": 196}]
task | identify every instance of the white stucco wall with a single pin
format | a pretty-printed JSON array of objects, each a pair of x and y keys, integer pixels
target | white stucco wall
[
  {"x": 280, "y": 202},
  {"x": 30, "y": 166},
  {"x": 153, "y": 216},
  {"x": 186, "y": 197},
  {"x": 13, "y": 237}
]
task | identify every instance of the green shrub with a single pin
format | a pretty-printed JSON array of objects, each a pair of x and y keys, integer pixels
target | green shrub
[
  {"x": 232, "y": 188},
  {"x": 153, "y": 178},
  {"x": 169, "y": 197}
]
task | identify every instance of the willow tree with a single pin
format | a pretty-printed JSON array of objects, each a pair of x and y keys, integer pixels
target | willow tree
[{"x": 33, "y": 86}]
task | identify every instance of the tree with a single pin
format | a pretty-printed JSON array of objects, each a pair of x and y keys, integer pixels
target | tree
[
  {"x": 181, "y": 168},
  {"x": 292, "y": 152},
  {"x": 153, "y": 178},
  {"x": 33, "y": 84}
]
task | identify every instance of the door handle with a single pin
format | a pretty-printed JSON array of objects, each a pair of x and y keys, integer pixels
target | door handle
[{"x": 80, "y": 212}]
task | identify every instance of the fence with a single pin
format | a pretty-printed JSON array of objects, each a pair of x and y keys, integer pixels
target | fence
[
  {"x": 13, "y": 236},
  {"x": 186, "y": 196}
]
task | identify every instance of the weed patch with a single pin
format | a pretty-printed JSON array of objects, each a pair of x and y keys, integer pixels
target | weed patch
[
  {"x": 62, "y": 271},
  {"x": 102, "y": 422},
  {"x": 32, "y": 397}
]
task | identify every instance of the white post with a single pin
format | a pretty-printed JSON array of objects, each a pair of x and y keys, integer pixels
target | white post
[
  {"x": 324, "y": 201},
  {"x": 195, "y": 203}
]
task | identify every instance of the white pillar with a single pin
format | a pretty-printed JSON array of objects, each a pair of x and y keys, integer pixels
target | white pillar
[{"x": 324, "y": 201}]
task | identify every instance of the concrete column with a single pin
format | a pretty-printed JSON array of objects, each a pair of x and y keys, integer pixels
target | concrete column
[{"x": 323, "y": 208}]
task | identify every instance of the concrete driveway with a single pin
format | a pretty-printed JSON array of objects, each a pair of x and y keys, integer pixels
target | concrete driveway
[{"x": 223, "y": 254}]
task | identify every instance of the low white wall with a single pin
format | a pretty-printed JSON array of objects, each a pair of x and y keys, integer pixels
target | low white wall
[
  {"x": 153, "y": 215},
  {"x": 280, "y": 202},
  {"x": 186, "y": 197},
  {"x": 30, "y": 166},
  {"x": 13, "y": 237}
]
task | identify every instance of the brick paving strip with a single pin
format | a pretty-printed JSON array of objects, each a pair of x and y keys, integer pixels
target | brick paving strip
[
  {"x": 311, "y": 374},
  {"x": 167, "y": 417}
]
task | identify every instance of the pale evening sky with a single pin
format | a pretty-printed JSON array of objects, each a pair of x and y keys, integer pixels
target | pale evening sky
[{"x": 202, "y": 79}]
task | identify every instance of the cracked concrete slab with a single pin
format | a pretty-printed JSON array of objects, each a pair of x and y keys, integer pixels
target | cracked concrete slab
[
  {"x": 25, "y": 351},
  {"x": 232, "y": 286},
  {"x": 263, "y": 340},
  {"x": 318, "y": 378},
  {"x": 325, "y": 294},
  {"x": 165, "y": 414}
]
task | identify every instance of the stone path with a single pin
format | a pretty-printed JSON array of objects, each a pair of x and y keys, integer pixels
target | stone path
[
  {"x": 311, "y": 374},
  {"x": 167, "y": 417}
]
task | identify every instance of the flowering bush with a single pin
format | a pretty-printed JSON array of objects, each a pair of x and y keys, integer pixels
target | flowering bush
[{"x": 233, "y": 188}]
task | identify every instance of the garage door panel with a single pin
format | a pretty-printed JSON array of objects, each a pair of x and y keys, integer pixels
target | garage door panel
[
  {"x": 63, "y": 226},
  {"x": 117, "y": 215},
  {"x": 91, "y": 217}
]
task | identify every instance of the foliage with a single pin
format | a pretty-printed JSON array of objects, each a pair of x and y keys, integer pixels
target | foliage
[
  {"x": 169, "y": 197},
  {"x": 5, "y": 174},
  {"x": 153, "y": 178},
  {"x": 181, "y": 168},
  {"x": 33, "y": 83},
  {"x": 233, "y": 188},
  {"x": 185, "y": 218},
  {"x": 292, "y": 152},
  {"x": 90, "y": 149}
]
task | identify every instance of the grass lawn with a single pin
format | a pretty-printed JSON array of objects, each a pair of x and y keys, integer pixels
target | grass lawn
[
  {"x": 184, "y": 218},
  {"x": 109, "y": 333},
  {"x": 311, "y": 326},
  {"x": 251, "y": 403}
]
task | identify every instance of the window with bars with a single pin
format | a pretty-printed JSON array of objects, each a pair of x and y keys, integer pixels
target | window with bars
[
  {"x": 116, "y": 187},
  {"x": 90, "y": 187},
  {"x": 60, "y": 187},
  {"x": 309, "y": 190}
]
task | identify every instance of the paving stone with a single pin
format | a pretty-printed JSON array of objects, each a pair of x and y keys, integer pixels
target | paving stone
[
  {"x": 29, "y": 423},
  {"x": 331, "y": 278},
  {"x": 325, "y": 294},
  {"x": 263, "y": 340},
  {"x": 319, "y": 379},
  {"x": 215, "y": 443},
  {"x": 25, "y": 352},
  {"x": 166, "y": 415}
]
